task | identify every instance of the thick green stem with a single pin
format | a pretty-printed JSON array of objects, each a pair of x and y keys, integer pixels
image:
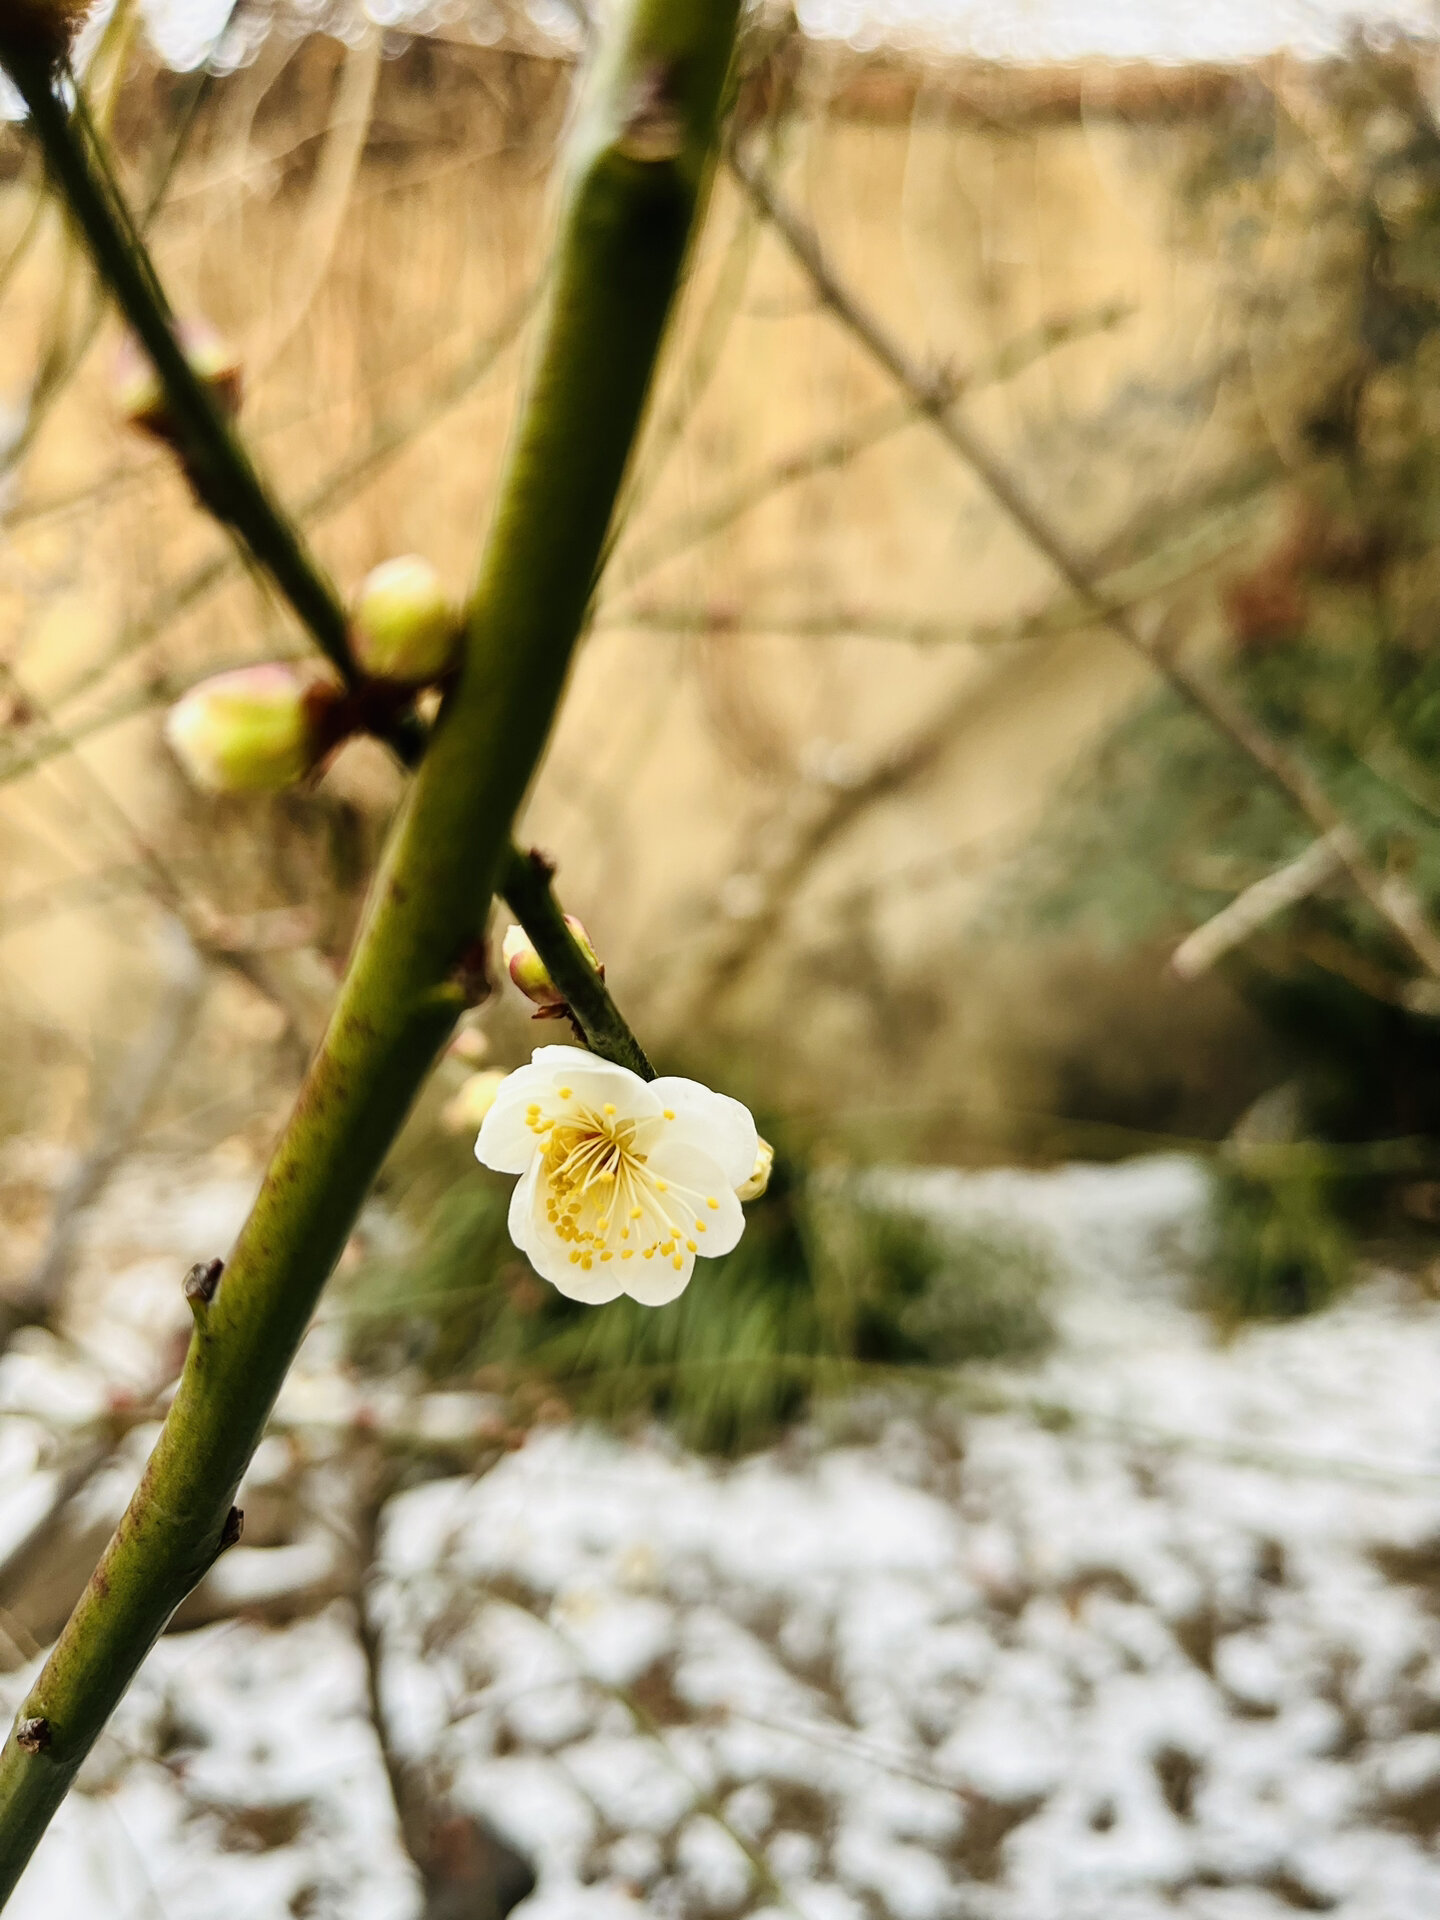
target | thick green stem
[
  {"x": 639, "y": 165},
  {"x": 230, "y": 484}
]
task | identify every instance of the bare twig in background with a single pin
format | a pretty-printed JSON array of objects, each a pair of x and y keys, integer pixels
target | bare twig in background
[
  {"x": 1250, "y": 910},
  {"x": 1390, "y": 897},
  {"x": 833, "y": 450},
  {"x": 340, "y": 157},
  {"x": 338, "y": 487},
  {"x": 63, "y": 360},
  {"x": 468, "y": 1871},
  {"x": 810, "y": 818},
  {"x": 1126, "y": 585}
]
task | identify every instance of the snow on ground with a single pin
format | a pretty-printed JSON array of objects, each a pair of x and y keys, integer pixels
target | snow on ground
[
  {"x": 987, "y": 1666},
  {"x": 1158, "y": 1633},
  {"x": 241, "y": 1780}
]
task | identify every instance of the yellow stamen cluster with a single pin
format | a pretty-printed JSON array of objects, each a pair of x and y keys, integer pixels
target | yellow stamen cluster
[{"x": 601, "y": 1197}]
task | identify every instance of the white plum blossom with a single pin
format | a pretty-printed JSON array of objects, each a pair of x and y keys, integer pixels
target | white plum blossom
[{"x": 623, "y": 1182}]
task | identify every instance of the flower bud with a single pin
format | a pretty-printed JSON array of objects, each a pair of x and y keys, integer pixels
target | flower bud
[
  {"x": 256, "y": 729},
  {"x": 759, "y": 1174},
  {"x": 140, "y": 396},
  {"x": 404, "y": 629},
  {"x": 529, "y": 971},
  {"x": 43, "y": 28},
  {"x": 467, "y": 1108}
]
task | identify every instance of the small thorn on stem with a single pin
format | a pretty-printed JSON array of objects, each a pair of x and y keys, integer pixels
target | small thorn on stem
[
  {"x": 202, "y": 1280},
  {"x": 32, "y": 1735},
  {"x": 199, "y": 1287},
  {"x": 233, "y": 1528}
]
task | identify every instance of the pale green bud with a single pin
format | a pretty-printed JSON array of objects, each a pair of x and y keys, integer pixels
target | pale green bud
[
  {"x": 404, "y": 629},
  {"x": 760, "y": 1174},
  {"x": 529, "y": 971},
  {"x": 255, "y": 730}
]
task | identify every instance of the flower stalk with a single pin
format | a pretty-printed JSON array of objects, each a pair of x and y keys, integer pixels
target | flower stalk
[
  {"x": 525, "y": 883},
  {"x": 638, "y": 166}
]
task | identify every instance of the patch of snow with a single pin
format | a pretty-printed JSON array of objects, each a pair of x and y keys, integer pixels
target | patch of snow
[
  {"x": 1171, "y": 1648},
  {"x": 241, "y": 1778}
]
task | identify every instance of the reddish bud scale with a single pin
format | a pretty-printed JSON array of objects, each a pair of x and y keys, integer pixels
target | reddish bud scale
[{"x": 140, "y": 396}]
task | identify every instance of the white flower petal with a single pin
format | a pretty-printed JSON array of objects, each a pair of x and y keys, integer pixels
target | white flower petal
[
  {"x": 717, "y": 1220},
  {"x": 595, "y": 1288},
  {"x": 596, "y": 1085},
  {"x": 506, "y": 1142},
  {"x": 672, "y": 1153},
  {"x": 655, "y": 1283},
  {"x": 521, "y": 1202},
  {"x": 712, "y": 1121},
  {"x": 558, "y": 1063},
  {"x": 562, "y": 1057}
]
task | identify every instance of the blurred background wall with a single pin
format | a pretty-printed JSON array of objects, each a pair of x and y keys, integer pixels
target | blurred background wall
[{"x": 830, "y": 692}]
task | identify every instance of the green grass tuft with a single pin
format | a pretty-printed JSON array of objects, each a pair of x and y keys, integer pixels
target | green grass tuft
[{"x": 823, "y": 1289}]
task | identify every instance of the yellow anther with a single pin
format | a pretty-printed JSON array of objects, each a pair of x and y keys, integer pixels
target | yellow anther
[
  {"x": 649, "y": 1253},
  {"x": 699, "y": 1226},
  {"x": 587, "y": 1263},
  {"x": 564, "y": 1093},
  {"x": 669, "y": 1113},
  {"x": 609, "y": 1106},
  {"x": 711, "y": 1201},
  {"x": 574, "y": 1259},
  {"x": 607, "y": 1256},
  {"x": 663, "y": 1186},
  {"x": 678, "y": 1263},
  {"x": 668, "y": 1248},
  {"x": 628, "y": 1254},
  {"x": 691, "y": 1246},
  {"x": 636, "y": 1213}
]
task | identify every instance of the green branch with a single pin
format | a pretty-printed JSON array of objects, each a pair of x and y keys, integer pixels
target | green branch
[
  {"x": 525, "y": 884},
  {"x": 219, "y": 466},
  {"x": 228, "y": 482},
  {"x": 638, "y": 167}
]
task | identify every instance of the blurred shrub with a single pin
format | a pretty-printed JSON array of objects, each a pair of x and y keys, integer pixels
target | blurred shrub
[
  {"x": 1328, "y": 253},
  {"x": 1281, "y": 1244},
  {"x": 823, "y": 1290}
]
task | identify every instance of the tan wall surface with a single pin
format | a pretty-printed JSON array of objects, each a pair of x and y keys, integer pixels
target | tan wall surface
[{"x": 361, "y": 228}]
